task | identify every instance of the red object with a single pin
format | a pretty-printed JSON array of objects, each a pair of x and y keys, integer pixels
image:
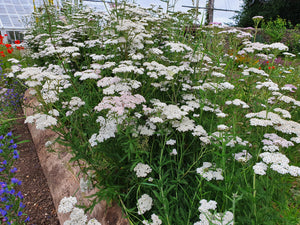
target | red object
[
  {"x": 2, "y": 55},
  {"x": 10, "y": 50},
  {"x": 267, "y": 61},
  {"x": 5, "y": 35},
  {"x": 269, "y": 67},
  {"x": 259, "y": 68},
  {"x": 17, "y": 42},
  {"x": 273, "y": 67},
  {"x": 8, "y": 45}
]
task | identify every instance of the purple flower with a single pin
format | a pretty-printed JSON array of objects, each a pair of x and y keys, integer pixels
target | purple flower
[
  {"x": 4, "y": 162},
  {"x": 3, "y": 184},
  {"x": 16, "y": 181},
  {"x": 9, "y": 134},
  {"x": 13, "y": 170},
  {"x": 19, "y": 194},
  {"x": 1, "y": 137},
  {"x": 27, "y": 219},
  {"x": 3, "y": 212},
  {"x": 20, "y": 213},
  {"x": 4, "y": 199}
]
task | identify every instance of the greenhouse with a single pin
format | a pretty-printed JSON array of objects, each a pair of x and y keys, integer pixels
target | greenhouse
[{"x": 14, "y": 14}]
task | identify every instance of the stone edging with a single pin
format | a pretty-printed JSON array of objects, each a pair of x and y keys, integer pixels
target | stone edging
[{"x": 61, "y": 176}]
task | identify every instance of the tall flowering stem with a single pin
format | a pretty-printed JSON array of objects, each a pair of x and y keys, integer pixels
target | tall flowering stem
[{"x": 256, "y": 20}]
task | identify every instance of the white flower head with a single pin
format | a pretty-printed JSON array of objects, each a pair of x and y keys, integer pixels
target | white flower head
[
  {"x": 260, "y": 168},
  {"x": 144, "y": 204},
  {"x": 174, "y": 152},
  {"x": 78, "y": 217},
  {"x": 155, "y": 220},
  {"x": 93, "y": 222},
  {"x": 243, "y": 156},
  {"x": 205, "y": 205},
  {"x": 222, "y": 127},
  {"x": 171, "y": 142},
  {"x": 257, "y": 17},
  {"x": 142, "y": 170},
  {"x": 66, "y": 205}
]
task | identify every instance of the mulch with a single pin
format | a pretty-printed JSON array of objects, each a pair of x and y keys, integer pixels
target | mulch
[{"x": 34, "y": 187}]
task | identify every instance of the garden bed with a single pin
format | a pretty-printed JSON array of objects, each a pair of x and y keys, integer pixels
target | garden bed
[
  {"x": 61, "y": 175},
  {"x": 178, "y": 129}
]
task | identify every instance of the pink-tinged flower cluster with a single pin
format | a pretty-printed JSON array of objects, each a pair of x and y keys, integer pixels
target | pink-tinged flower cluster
[
  {"x": 118, "y": 104},
  {"x": 290, "y": 87}
]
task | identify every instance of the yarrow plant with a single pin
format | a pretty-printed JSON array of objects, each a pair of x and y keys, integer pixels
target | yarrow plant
[
  {"x": 77, "y": 215},
  {"x": 159, "y": 119}
]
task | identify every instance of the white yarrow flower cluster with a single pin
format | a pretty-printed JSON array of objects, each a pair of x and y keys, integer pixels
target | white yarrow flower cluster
[
  {"x": 85, "y": 185},
  {"x": 67, "y": 204},
  {"x": 243, "y": 156},
  {"x": 42, "y": 121},
  {"x": 77, "y": 216},
  {"x": 93, "y": 222},
  {"x": 155, "y": 220},
  {"x": 108, "y": 128},
  {"x": 279, "y": 163},
  {"x": 171, "y": 142},
  {"x": 222, "y": 127},
  {"x": 142, "y": 170},
  {"x": 74, "y": 104},
  {"x": 144, "y": 204},
  {"x": 207, "y": 217},
  {"x": 238, "y": 102},
  {"x": 260, "y": 168},
  {"x": 209, "y": 172}
]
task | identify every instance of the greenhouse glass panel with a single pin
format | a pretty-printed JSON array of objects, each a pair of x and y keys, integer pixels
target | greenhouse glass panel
[
  {"x": 16, "y": 21},
  {"x": 20, "y": 9},
  {"x": 3, "y": 9},
  {"x": 11, "y": 11},
  {"x": 15, "y": 2},
  {"x": 5, "y": 21}
]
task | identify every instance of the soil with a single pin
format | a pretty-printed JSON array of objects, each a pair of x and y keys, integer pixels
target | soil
[{"x": 34, "y": 187}]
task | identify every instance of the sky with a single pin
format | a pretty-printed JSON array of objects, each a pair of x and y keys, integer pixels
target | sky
[{"x": 219, "y": 16}]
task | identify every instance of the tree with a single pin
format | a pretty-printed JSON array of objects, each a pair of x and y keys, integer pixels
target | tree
[{"x": 269, "y": 9}]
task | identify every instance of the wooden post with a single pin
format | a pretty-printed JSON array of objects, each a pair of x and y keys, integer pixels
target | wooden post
[{"x": 210, "y": 11}]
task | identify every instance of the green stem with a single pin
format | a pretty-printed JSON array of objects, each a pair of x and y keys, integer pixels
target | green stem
[
  {"x": 254, "y": 195},
  {"x": 161, "y": 185}
]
